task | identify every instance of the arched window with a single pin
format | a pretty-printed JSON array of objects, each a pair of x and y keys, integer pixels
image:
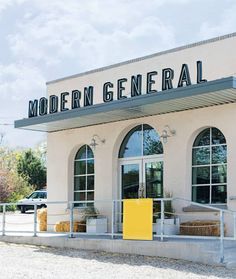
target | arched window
[
  {"x": 209, "y": 167},
  {"x": 142, "y": 140},
  {"x": 84, "y": 174},
  {"x": 141, "y": 164}
]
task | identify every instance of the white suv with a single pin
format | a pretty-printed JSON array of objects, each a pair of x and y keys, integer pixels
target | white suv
[{"x": 28, "y": 203}]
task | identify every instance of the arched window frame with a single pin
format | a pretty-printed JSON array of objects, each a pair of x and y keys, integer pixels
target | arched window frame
[
  {"x": 217, "y": 167},
  {"x": 142, "y": 128},
  {"x": 84, "y": 175}
]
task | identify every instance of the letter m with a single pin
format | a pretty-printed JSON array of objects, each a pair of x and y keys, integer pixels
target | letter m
[{"x": 33, "y": 108}]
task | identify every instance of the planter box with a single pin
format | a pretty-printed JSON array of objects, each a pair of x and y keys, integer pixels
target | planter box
[
  {"x": 171, "y": 226},
  {"x": 96, "y": 225}
]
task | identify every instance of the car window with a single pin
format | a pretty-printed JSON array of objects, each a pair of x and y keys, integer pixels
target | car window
[
  {"x": 38, "y": 195},
  {"x": 42, "y": 195},
  {"x": 34, "y": 195}
]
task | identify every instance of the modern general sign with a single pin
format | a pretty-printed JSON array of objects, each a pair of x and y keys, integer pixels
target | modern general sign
[{"x": 84, "y": 98}]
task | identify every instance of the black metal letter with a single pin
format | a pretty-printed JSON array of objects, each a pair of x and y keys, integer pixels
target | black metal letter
[
  {"x": 43, "y": 106},
  {"x": 184, "y": 76},
  {"x": 53, "y": 104},
  {"x": 136, "y": 85},
  {"x": 167, "y": 77},
  {"x": 199, "y": 73},
  {"x": 64, "y": 101},
  {"x": 107, "y": 95},
  {"x": 150, "y": 82},
  {"x": 88, "y": 96},
  {"x": 120, "y": 88},
  {"x": 75, "y": 99},
  {"x": 33, "y": 108}
]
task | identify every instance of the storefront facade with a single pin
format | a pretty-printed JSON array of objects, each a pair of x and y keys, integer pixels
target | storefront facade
[{"x": 143, "y": 128}]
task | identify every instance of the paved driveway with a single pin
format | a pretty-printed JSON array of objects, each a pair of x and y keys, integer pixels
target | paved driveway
[{"x": 18, "y": 221}]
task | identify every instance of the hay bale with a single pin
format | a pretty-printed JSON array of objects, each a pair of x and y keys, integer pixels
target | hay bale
[
  {"x": 43, "y": 227},
  {"x": 64, "y": 226},
  {"x": 42, "y": 214},
  {"x": 42, "y": 219},
  {"x": 200, "y": 228},
  {"x": 58, "y": 227}
]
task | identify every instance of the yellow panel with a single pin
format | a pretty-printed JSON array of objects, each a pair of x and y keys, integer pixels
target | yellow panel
[{"x": 137, "y": 221}]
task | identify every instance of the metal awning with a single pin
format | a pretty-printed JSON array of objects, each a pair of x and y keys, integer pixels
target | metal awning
[{"x": 210, "y": 93}]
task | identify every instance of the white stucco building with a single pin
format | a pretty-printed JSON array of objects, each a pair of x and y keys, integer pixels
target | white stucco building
[{"x": 159, "y": 123}]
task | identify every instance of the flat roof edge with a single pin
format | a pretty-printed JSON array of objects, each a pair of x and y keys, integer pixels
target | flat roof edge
[{"x": 203, "y": 42}]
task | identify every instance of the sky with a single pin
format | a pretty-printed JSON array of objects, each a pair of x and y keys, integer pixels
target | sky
[{"x": 43, "y": 40}]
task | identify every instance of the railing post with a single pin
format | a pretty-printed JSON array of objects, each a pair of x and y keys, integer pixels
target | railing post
[
  {"x": 71, "y": 220},
  {"x": 162, "y": 219},
  {"x": 221, "y": 236},
  {"x": 112, "y": 219},
  {"x": 3, "y": 219},
  {"x": 35, "y": 219}
]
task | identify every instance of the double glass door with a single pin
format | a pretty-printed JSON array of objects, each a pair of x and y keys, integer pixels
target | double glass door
[{"x": 142, "y": 178}]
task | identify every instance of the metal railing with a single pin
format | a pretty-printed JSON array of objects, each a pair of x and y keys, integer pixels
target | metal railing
[{"x": 113, "y": 212}]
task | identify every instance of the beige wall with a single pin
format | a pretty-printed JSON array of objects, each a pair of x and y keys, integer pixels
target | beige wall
[{"x": 62, "y": 147}]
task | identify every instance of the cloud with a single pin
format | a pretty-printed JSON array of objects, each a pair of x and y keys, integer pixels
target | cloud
[
  {"x": 44, "y": 40},
  {"x": 49, "y": 39},
  {"x": 20, "y": 81},
  {"x": 89, "y": 34},
  {"x": 18, "y": 84},
  {"x": 226, "y": 23},
  {"x": 4, "y": 4},
  {"x": 66, "y": 39}
]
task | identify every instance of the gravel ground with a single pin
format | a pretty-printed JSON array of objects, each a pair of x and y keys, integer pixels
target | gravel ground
[{"x": 21, "y": 261}]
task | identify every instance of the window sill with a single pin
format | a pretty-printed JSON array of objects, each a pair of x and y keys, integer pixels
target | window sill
[{"x": 196, "y": 208}]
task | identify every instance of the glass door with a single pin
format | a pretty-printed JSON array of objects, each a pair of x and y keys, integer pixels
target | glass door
[
  {"x": 153, "y": 178},
  {"x": 142, "y": 178},
  {"x": 131, "y": 177}
]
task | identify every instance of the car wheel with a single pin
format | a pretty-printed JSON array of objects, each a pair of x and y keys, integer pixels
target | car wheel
[{"x": 22, "y": 209}]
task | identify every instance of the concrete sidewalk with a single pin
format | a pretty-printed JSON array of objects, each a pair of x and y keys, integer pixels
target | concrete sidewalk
[{"x": 201, "y": 251}]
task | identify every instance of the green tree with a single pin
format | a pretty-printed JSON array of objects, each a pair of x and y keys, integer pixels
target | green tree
[
  {"x": 30, "y": 167},
  {"x": 13, "y": 187}
]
